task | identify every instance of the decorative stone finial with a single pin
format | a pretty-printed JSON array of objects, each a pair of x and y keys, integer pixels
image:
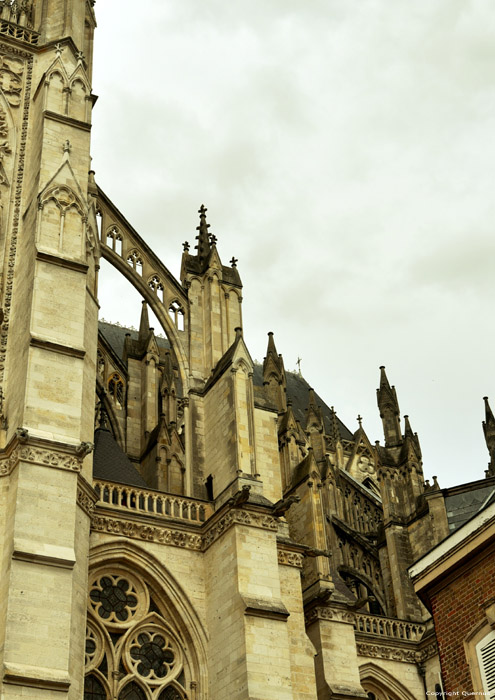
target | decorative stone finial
[{"x": 203, "y": 236}]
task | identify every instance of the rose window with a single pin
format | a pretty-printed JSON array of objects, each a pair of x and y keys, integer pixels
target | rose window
[
  {"x": 114, "y": 598},
  {"x": 153, "y": 655}
]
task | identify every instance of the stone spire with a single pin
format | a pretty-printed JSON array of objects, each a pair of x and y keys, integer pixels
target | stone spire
[
  {"x": 408, "y": 432},
  {"x": 203, "y": 236},
  {"x": 274, "y": 378},
  {"x": 489, "y": 431},
  {"x": 314, "y": 417},
  {"x": 411, "y": 437},
  {"x": 388, "y": 406}
]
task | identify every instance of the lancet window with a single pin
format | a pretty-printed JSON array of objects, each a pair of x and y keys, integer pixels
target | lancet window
[
  {"x": 133, "y": 652},
  {"x": 100, "y": 365},
  {"x": 116, "y": 389},
  {"x": 114, "y": 240},
  {"x": 135, "y": 261},
  {"x": 176, "y": 313},
  {"x": 156, "y": 285}
]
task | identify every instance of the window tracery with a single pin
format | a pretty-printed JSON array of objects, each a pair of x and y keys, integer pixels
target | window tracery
[
  {"x": 132, "y": 652},
  {"x": 135, "y": 261},
  {"x": 114, "y": 240},
  {"x": 100, "y": 362},
  {"x": 156, "y": 286},
  {"x": 176, "y": 313},
  {"x": 116, "y": 389}
]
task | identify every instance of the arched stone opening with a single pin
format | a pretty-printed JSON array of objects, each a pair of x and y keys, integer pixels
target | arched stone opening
[{"x": 143, "y": 639}]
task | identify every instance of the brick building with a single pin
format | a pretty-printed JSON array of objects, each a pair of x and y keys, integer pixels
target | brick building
[{"x": 456, "y": 582}]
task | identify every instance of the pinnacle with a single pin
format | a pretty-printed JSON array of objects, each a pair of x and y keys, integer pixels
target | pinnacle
[
  {"x": 203, "y": 237},
  {"x": 407, "y": 427},
  {"x": 144, "y": 324}
]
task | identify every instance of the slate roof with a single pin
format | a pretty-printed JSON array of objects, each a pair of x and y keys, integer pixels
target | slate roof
[
  {"x": 462, "y": 505},
  {"x": 298, "y": 390},
  {"x": 115, "y": 337},
  {"x": 110, "y": 463}
]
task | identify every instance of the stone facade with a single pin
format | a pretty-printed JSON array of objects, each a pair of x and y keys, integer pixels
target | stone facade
[{"x": 228, "y": 537}]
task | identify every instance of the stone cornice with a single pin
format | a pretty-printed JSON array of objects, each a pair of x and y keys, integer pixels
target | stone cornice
[
  {"x": 62, "y": 262},
  {"x": 57, "y": 347},
  {"x": 322, "y": 612},
  {"x": 46, "y": 453},
  {"x": 179, "y": 534},
  {"x": 63, "y": 119},
  {"x": 408, "y": 655},
  {"x": 125, "y": 527}
]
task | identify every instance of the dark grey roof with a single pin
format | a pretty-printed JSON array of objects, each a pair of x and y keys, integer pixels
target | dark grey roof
[
  {"x": 298, "y": 391},
  {"x": 115, "y": 337},
  {"x": 111, "y": 464},
  {"x": 297, "y": 386},
  {"x": 462, "y": 506}
]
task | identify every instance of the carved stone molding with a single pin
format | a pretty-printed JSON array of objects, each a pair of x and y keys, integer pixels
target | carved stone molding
[
  {"x": 49, "y": 458},
  {"x": 179, "y": 538},
  {"x": 428, "y": 651},
  {"x": 290, "y": 558},
  {"x": 8, "y": 464},
  {"x": 326, "y": 613},
  {"x": 378, "y": 651},
  {"x": 150, "y": 533},
  {"x": 25, "y": 448},
  {"x": 14, "y": 225},
  {"x": 238, "y": 517},
  {"x": 86, "y": 496}
]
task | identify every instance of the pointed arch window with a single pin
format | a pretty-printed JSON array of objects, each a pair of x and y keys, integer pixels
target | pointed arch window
[
  {"x": 156, "y": 285},
  {"x": 93, "y": 689},
  {"x": 100, "y": 365},
  {"x": 116, "y": 389},
  {"x": 176, "y": 313},
  {"x": 133, "y": 652},
  {"x": 114, "y": 240},
  {"x": 135, "y": 261},
  {"x": 132, "y": 691}
]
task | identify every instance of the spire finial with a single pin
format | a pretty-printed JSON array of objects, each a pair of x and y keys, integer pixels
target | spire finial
[
  {"x": 489, "y": 431},
  {"x": 203, "y": 236},
  {"x": 388, "y": 406},
  {"x": 360, "y": 420}
]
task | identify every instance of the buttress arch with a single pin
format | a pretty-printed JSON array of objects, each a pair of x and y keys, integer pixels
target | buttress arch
[
  {"x": 128, "y": 557},
  {"x": 157, "y": 286}
]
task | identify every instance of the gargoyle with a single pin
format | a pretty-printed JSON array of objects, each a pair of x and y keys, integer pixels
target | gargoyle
[
  {"x": 281, "y": 507},
  {"x": 241, "y": 496}
]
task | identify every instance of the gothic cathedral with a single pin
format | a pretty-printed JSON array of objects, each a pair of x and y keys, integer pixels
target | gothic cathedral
[{"x": 177, "y": 522}]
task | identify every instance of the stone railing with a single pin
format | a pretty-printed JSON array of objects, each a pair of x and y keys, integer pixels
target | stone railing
[
  {"x": 19, "y": 32},
  {"x": 143, "y": 501},
  {"x": 390, "y": 628}
]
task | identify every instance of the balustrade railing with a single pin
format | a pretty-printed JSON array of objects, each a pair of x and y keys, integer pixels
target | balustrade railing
[
  {"x": 130, "y": 498},
  {"x": 388, "y": 627}
]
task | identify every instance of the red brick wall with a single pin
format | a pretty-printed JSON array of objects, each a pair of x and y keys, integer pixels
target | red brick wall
[{"x": 456, "y": 609}]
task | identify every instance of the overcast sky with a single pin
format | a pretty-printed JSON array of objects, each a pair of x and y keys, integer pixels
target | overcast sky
[{"x": 345, "y": 151}]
